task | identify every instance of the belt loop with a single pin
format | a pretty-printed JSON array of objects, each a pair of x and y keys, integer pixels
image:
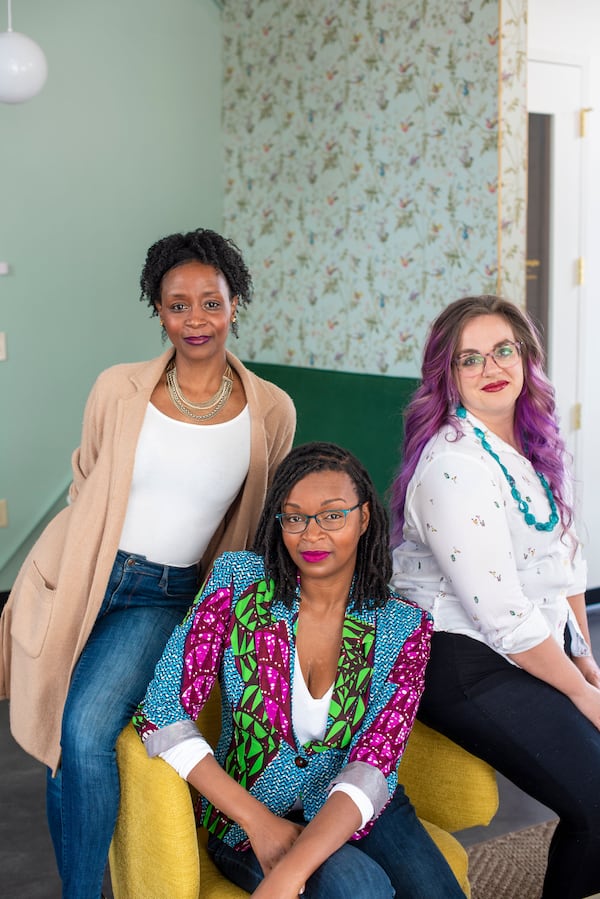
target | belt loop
[{"x": 164, "y": 578}]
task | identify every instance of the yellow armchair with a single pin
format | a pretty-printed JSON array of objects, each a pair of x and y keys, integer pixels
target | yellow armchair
[{"x": 158, "y": 853}]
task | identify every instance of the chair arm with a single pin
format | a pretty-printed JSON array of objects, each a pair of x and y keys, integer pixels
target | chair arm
[
  {"x": 446, "y": 784},
  {"x": 154, "y": 852}
]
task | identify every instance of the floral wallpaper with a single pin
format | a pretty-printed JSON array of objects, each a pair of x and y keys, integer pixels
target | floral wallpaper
[
  {"x": 362, "y": 171},
  {"x": 512, "y": 150}
]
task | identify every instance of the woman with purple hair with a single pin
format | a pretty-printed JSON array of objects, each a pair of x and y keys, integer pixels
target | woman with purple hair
[{"x": 484, "y": 541}]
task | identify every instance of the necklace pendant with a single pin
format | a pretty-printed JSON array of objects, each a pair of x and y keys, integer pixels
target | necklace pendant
[
  {"x": 186, "y": 407},
  {"x": 522, "y": 504}
]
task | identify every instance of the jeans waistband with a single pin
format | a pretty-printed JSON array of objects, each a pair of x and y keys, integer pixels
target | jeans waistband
[{"x": 145, "y": 566}]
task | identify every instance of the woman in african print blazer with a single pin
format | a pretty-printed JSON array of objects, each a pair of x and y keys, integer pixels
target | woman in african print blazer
[{"x": 321, "y": 671}]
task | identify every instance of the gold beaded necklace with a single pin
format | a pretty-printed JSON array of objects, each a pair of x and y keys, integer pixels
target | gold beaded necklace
[{"x": 214, "y": 404}]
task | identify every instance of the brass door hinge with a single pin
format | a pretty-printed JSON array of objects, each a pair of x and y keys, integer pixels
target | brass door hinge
[
  {"x": 531, "y": 264},
  {"x": 576, "y": 416},
  {"x": 580, "y": 271},
  {"x": 582, "y": 120}
]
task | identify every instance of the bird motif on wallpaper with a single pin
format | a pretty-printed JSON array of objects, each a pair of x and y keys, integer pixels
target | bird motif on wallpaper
[
  {"x": 466, "y": 13},
  {"x": 381, "y": 99},
  {"x": 465, "y": 157}
]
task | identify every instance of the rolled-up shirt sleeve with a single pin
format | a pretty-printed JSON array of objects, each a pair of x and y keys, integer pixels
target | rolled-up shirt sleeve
[{"x": 458, "y": 509}]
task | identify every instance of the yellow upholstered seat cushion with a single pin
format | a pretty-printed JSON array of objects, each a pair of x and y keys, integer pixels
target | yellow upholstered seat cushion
[
  {"x": 445, "y": 783},
  {"x": 453, "y": 852},
  {"x": 157, "y": 852},
  {"x": 154, "y": 852}
]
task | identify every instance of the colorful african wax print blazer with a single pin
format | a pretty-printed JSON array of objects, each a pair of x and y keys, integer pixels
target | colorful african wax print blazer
[{"x": 237, "y": 632}]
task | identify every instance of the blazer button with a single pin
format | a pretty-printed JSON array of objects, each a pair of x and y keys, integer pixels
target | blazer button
[{"x": 301, "y": 762}]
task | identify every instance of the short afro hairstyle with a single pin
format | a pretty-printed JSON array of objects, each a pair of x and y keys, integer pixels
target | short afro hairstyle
[{"x": 203, "y": 246}]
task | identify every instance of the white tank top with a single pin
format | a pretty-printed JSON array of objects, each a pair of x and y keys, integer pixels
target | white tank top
[{"x": 185, "y": 477}]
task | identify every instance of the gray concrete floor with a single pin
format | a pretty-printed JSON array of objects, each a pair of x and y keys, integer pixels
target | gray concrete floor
[{"x": 27, "y": 867}]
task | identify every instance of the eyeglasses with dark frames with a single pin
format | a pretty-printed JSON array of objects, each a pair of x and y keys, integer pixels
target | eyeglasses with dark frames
[{"x": 329, "y": 520}]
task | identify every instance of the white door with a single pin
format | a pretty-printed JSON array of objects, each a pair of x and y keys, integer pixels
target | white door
[{"x": 556, "y": 89}]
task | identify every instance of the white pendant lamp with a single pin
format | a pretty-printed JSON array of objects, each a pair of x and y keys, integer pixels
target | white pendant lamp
[{"x": 23, "y": 67}]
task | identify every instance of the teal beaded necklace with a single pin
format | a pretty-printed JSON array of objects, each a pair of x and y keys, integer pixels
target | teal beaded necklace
[{"x": 530, "y": 519}]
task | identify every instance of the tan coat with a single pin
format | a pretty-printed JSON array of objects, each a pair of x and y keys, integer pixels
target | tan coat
[{"x": 59, "y": 590}]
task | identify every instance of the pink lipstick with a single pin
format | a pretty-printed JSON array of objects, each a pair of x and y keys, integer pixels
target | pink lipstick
[
  {"x": 314, "y": 556},
  {"x": 196, "y": 341}
]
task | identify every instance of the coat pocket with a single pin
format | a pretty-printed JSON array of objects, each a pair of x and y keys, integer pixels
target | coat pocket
[{"x": 32, "y": 608}]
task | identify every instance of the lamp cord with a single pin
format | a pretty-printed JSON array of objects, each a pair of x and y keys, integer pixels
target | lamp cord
[{"x": 10, "y": 15}]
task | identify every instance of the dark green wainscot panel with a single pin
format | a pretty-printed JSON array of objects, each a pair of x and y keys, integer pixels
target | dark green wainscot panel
[{"x": 360, "y": 412}]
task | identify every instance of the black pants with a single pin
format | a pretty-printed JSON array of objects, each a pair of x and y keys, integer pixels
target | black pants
[{"x": 535, "y": 737}]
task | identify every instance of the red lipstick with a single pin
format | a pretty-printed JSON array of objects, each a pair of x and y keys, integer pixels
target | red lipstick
[
  {"x": 495, "y": 387},
  {"x": 314, "y": 556}
]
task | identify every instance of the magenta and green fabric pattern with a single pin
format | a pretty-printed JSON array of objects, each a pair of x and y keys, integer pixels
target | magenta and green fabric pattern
[{"x": 239, "y": 632}]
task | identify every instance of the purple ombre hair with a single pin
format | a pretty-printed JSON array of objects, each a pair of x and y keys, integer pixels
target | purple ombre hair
[{"x": 434, "y": 402}]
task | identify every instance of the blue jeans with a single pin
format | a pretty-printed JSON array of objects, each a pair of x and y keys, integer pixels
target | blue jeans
[
  {"x": 396, "y": 859},
  {"x": 142, "y": 605}
]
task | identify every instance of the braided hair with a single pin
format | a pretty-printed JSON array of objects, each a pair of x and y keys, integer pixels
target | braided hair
[
  {"x": 203, "y": 246},
  {"x": 373, "y": 562}
]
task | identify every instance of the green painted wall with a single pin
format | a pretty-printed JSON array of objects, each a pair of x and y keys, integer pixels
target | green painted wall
[
  {"x": 361, "y": 412},
  {"x": 122, "y": 146}
]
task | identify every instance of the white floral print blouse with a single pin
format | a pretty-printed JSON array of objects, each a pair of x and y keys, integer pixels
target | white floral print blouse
[{"x": 468, "y": 556}]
